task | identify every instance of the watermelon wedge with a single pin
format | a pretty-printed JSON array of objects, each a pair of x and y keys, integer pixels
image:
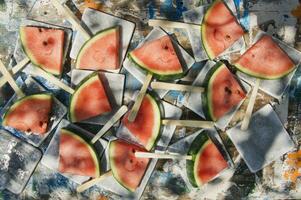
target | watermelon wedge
[
  {"x": 101, "y": 52},
  {"x": 219, "y": 29},
  {"x": 89, "y": 99},
  {"x": 207, "y": 161},
  {"x": 126, "y": 168},
  {"x": 266, "y": 60},
  {"x": 159, "y": 58},
  {"x": 44, "y": 47},
  {"x": 76, "y": 156},
  {"x": 30, "y": 114},
  {"x": 146, "y": 127},
  {"x": 223, "y": 92}
]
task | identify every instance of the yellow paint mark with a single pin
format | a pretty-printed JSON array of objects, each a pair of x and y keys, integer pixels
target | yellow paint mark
[
  {"x": 92, "y": 4},
  {"x": 293, "y": 160}
]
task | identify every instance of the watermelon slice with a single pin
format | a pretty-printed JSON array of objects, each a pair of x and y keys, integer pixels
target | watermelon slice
[
  {"x": 44, "y": 47},
  {"x": 126, "y": 168},
  {"x": 219, "y": 29},
  {"x": 146, "y": 126},
  {"x": 159, "y": 58},
  {"x": 101, "y": 52},
  {"x": 223, "y": 92},
  {"x": 76, "y": 156},
  {"x": 89, "y": 99},
  {"x": 207, "y": 161},
  {"x": 30, "y": 114},
  {"x": 266, "y": 60}
]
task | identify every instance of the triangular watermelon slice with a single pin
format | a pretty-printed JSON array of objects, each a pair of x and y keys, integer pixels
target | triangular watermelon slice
[
  {"x": 146, "y": 126},
  {"x": 101, "y": 52},
  {"x": 76, "y": 156},
  {"x": 126, "y": 168},
  {"x": 207, "y": 161},
  {"x": 89, "y": 99},
  {"x": 266, "y": 60},
  {"x": 223, "y": 92},
  {"x": 44, "y": 47},
  {"x": 30, "y": 114},
  {"x": 159, "y": 58},
  {"x": 219, "y": 29}
]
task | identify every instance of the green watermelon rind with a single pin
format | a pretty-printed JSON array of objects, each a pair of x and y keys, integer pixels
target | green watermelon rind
[
  {"x": 157, "y": 132},
  {"x": 170, "y": 75},
  {"x": 86, "y": 81},
  {"x": 207, "y": 106},
  {"x": 90, "y": 148},
  {"x": 257, "y": 75},
  {"x": 30, "y": 55},
  {"x": 21, "y": 100},
  {"x": 195, "y": 150},
  {"x": 96, "y": 37},
  {"x": 210, "y": 54},
  {"x": 114, "y": 169}
]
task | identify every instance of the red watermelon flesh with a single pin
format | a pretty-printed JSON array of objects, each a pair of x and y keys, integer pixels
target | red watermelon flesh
[
  {"x": 265, "y": 59},
  {"x": 146, "y": 126},
  {"x": 89, "y": 100},
  {"x": 209, "y": 163},
  {"x": 101, "y": 52},
  {"x": 126, "y": 168},
  {"x": 220, "y": 29},
  {"x": 44, "y": 47},
  {"x": 77, "y": 156},
  {"x": 30, "y": 114},
  {"x": 224, "y": 92},
  {"x": 158, "y": 56}
]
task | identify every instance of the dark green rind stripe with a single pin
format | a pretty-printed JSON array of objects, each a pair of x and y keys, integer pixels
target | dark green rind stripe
[{"x": 195, "y": 147}]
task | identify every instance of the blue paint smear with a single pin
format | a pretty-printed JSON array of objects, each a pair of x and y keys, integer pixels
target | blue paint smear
[
  {"x": 151, "y": 10},
  {"x": 170, "y": 12},
  {"x": 244, "y": 19}
]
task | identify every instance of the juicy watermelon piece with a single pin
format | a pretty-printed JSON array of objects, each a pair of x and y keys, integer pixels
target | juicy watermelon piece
[
  {"x": 223, "y": 92},
  {"x": 30, "y": 114},
  {"x": 44, "y": 47},
  {"x": 101, "y": 52},
  {"x": 126, "y": 168},
  {"x": 266, "y": 60},
  {"x": 76, "y": 156},
  {"x": 207, "y": 161},
  {"x": 159, "y": 58},
  {"x": 219, "y": 29},
  {"x": 89, "y": 99},
  {"x": 146, "y": 126}
]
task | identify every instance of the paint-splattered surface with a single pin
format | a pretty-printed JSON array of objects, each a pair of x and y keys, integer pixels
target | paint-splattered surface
[{"x": 278, "y": 17}]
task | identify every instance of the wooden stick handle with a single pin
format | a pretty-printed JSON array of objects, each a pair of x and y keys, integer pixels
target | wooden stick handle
[
  {"x": 171, "y": 24},
  {"x": 121, "y": 111},
  {"x": 248, "y": 114},
  {"x": 174, "y": 86},
  {"x": 189, "y": 123},
  {"x": 10, "y": 80},
  {"x": 71, "y": 18},
  {"x": 15, "y": 70},
  {"x": 162, "y": 156},
  {"x": 39, "y": 72},
  {"x": 137, "y": 104},
  {"x": 92, "y": 182}
]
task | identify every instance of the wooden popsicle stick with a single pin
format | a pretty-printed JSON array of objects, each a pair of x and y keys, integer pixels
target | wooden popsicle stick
[
  {"x": 137, "y": 104},
  {"x": 162, "y": 156},
  {"x": 248, "y": 114},
  {"x": 171, "y": 24},
  {"x": 92, "y": 182},
  {"x": 15, "y": 69},
  {"x": 71, "y": 18},
  {"x": 121, "y": 111},
  {"x": 39, "y": 72},
  {"x": 10, "y": 80},
  {"x": 174, "y": 86},
  {"x": 189, "y": 123}
]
